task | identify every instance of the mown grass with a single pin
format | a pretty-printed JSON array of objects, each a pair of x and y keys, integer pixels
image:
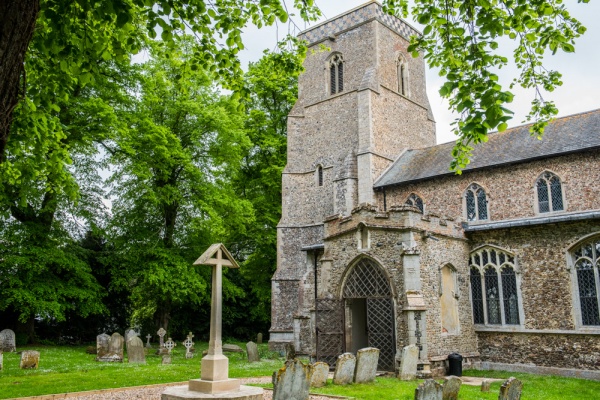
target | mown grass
[{"x": 71, "y": 369}]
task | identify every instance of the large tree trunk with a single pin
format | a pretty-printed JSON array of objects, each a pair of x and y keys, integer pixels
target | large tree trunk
[{"x": 17, "y": 22}]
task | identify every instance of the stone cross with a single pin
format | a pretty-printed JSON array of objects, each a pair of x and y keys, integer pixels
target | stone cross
[
  {"x": 169, "y": 345},
  {"x": 188, "y": 343},
  {"x": 149, "y": 336},
  {"x": 161, "y": 334}
]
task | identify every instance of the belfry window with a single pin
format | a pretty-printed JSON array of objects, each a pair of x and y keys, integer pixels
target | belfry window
[
  {"x": 415, "y": 201},
  {"x": 494, "y": 289},
  {"x": 549, "y": 193},
  {"x": 336, "y": 74},
  {"x": 586, "y": 259},
  {"x": 476, "y": 203}
]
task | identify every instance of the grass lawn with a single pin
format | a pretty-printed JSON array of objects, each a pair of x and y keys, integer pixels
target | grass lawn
[{"x": 70, "y": 369}]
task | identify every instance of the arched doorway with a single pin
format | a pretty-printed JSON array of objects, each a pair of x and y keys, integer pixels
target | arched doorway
[{"x": 370, "y": 312}]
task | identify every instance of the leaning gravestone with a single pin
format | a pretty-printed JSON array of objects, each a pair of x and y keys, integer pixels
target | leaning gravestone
[
  {"x": 511, "y": 389},
  {"x": 292, "y": 382},
  {"x": 429, "y": 390},
  {"x": 259, "y": 338},
  {"x": 252, "y": 350},
  {"x": 344, "y": 369},
  {"x": 135, "y": 350},
  {"x": 30, "y": 359},
  {"x": 408, "y": 364},
  {"x": 102, "y": 345},
  {"x": 115, "y": 349},
  {"x": 320, "y": 374},
  {"x": 7, "y": 341},
  {"x": 366, "y": 365},
  {"x": 451, "y": 387}
]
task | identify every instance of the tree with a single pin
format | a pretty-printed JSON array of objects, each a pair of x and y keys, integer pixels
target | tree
[{"x": 171, "y": 190}]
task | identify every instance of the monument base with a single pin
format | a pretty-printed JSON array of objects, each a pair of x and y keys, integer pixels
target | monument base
[
  {"x": 184, "y": 392},
  {"x": 204, "y": 386}
]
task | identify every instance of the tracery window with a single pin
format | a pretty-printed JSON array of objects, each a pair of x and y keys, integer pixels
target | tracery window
[
  {"x": 476, "y": 203},
  {"x": 415, "y": 201},
  {"x": 494, "y": 289},
  {"x": 336, "y": 74},
  {"x": 586, "y": 259},
  {"x": 549, "y": 193},
  {"x": 402, "y": 70}
]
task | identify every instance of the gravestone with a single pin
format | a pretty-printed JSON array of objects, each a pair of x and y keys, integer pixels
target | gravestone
[
  {"x": 485, "y": 385},
  {"x": 320, "y": 374},
  {"x": 161, "y": 344},
  {"x": 366, "y": 365},
  {"x": 252, "y": 350},
  {"x": 166, "y": 359},
  {"x": 292, "y": 382},
  {"x": 259, "y": 338},
  {"x": 451, "y": 388},
  {"x": 290, "y": 351},
  {"x": 232, "y": 348},
  {"x": 169, "y": 345},
  {"x": 408, "y": 363},
  {"x": 511, "y": 389},
  {"x": 135, "y": 351},
  {"x": 115, "y": 349},
  {"x": 129, "y": 334},
  {"x": 344, "y": 369},
  {"x": 102, "y": 345},
  {"x": 429, "y": 390},
  {"x": 188, "y": 343},
  {"x": 148, "y": 337},
  {"x": 30, "y": 359},
  {"x": 7, "y": 341}
]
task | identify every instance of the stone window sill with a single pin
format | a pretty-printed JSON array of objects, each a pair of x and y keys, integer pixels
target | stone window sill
[{"x": 506, "y": 329}]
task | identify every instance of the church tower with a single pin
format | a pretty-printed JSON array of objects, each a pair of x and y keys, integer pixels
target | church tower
[{"x": 362, "y": 102}]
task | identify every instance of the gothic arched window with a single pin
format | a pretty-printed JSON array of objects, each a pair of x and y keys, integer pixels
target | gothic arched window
[
  {"x": 494, "y": 289},
  {"x": 476, "y": 203},
  {"x": 402, "y": 70},
  {"x": 336, "y": 74},
  {"x": 586, "y": 259},
  {"x": 415, "y": 201},
  {"x": 549, "y": 193}
]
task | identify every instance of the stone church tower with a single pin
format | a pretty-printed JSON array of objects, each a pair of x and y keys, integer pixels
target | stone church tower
[{"x": 362, "y": 102}]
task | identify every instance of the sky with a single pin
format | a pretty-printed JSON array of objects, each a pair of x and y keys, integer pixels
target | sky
[{"x": 581, "y": 77}]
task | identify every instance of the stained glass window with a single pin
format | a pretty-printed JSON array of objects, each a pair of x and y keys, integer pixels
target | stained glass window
[
  {"x": 476, "y": 203},
  {"x": 587, "y": 261}
]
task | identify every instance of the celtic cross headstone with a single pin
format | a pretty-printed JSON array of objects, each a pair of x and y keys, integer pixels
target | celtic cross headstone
[
  {"x": 169, "y": 345},
  {"x": 188, "y": 343},
  {"x": 161, "y": 334}
]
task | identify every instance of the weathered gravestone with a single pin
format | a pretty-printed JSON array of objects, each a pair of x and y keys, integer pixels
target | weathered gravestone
[
  {"x": 188, "y": 343},
  {"x": 451, "y": 387},
  {"x": 429, "y": 390},
  {"x": 366, "y": 365},
  {"x": 148, "y": 337},
  {"x": 252, "y": 350},
  {"x": 292, "y": 382},
  {"x": 232, "y": 348},
  {"x": 344, "y": 369},
  {"x": 169, "y": 345},
  {"x": 290, "y": 351},
  {"x": 485, "y": 385},
  {"x": 511, "y": 389},
  {"x": 320, "y": 374},
  {"x": 102, "y": 345},
  {"x": 166, "y": 359},
  {"x": 7, "y": 341},
  {"x": 135, "y": 350},
  {"x": 259, "y": 338},
  {"x": 115, "y": 349},
  {"x": 1, "y": 359},
  {"x": 129, "y": 334},
  {"x": 408, "y": 363},
  {"x": 30, "y": 359},
  {"x": 161, "y": 344}
]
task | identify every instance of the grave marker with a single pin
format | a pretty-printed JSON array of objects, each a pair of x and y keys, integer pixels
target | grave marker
[
  {"x": 485, "y": 385},
  {"x": 170, "y": 345},
  {"x": 429, "y": 390},
  {"x": 451, "y": 388},
  {"x": 320, "y": 374},
  {"x": 252, "y": 350},
  {"x": 148, "y": 337},
  {"x": 344, "y": 369},
  {"x": 292, "y": 382},
  {"x": 1, "y": 359},
  {"x": 30, "y": 359},
  {"x": 366, "y": 365},
  {"x": 408, "y": 363},
  {"x": 511, "y": 389},
  {"x": 188, "y": 344},
  {"x": 7, "y": 341},
  {"x": 129, "y": 334},
  {"x": 115, "y": 349},
  {"x": 259, "y": 338},
  {"x": 102, "y": 345},
  {"x": 161, "y": 334},
  {"x": 135, "y": 351}
]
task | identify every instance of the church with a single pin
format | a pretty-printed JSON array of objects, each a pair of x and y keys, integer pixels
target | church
[{"x": 381, "y": 245}]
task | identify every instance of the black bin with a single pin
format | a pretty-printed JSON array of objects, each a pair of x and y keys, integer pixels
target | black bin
[{"x": 455, "y": 364}]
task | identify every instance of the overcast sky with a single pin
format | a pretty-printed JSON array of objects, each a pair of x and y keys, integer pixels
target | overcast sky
[{"x": 581, "y": 77}]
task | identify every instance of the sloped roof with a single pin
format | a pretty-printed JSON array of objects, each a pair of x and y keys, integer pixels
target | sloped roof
[{"x": 571, "y": 134}]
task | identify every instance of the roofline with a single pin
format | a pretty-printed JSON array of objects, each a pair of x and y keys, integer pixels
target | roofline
[
  {"x": 540, "y": 220},
  {"x": 464, "y": 171}
]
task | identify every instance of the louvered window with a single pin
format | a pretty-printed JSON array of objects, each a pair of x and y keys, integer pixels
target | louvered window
[
  {"x": 336, "y": 74},
  {"x": 549, "y": 193}
]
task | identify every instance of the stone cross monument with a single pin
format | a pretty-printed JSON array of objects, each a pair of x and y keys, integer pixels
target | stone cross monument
[{"x": 214, "y": 382}]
